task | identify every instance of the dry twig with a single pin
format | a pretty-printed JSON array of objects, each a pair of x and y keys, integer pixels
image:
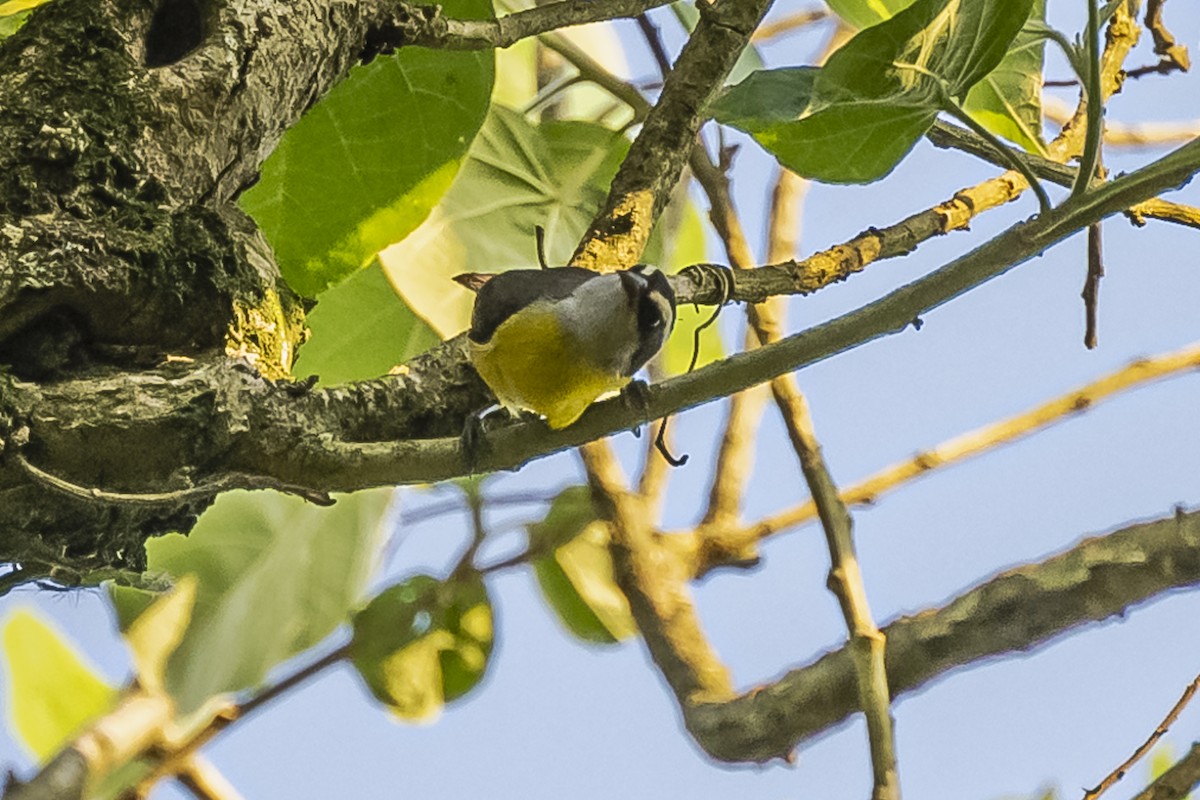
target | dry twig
[
  {"x": 1111, "y": 778},
  {"x": 1134, "y": 375}
]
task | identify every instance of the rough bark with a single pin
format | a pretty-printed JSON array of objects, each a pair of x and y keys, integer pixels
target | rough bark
[{"x": 127, "y": 130}]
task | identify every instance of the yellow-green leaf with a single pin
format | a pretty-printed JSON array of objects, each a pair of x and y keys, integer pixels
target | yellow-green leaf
[
  {"x": 53, "y": 691},
  {"x": 576, "y": 576}
]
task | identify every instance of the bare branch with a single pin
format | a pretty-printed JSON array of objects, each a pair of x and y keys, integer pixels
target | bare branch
[
  {"x": 1171, "y": 52},
  {"x": 772, "y": 29},
  {"x": 1014, "y": 612},
  {"x": 1135, "y": 375},
  {"x": 479, "y": 34},
  {"x": 1111, "y": 778},
  {"x": 1129, "y": 134},
  {"x": 655, "y": 581}
]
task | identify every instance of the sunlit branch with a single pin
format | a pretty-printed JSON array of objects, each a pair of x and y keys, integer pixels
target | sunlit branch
[
  {"x": 204, "y": 781},
  {"x": 798, "y": 20},
  {"x": 655, "y": 582},
  {"x": 943, "y": 135},
  {"x": 1172, "y": 53},
  {"x": 656, "y": 158},
  {"x": 1129, "y": 134},
  {"x": 1135, "y": 375}
]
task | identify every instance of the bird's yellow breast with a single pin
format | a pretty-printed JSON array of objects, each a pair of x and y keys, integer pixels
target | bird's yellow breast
[{"x": 529, "y": 363}]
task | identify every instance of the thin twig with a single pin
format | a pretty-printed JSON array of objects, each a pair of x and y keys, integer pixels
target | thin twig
[
  {"x": 435, "y": 30},
  {"x": 1129, "y": 134},
  {"x": 1093, "y": 100},
  {"x": 1165, "y": 47},
  {"x": 654, "y": 41},
  {"x": 178, "y": 497},
  {"x": 1134, "y": 375},
  {"x": 867, "y": 643},
  {"x": 181, "y": 752},
  {"x": 790, "y": 23},
  {"x": 735, "y": 454},
  {"x": 1158, "y": 733},
  {"x": 433, "y": 510},
  {"x": 475, "y": 502},
  {"x": 1091, "y": 285},
  {"x": 655, "y": 581},
  {"x": 1013, "y": 159},
  {"x": 944, "y": 135},
  {"x": 204, "y": 781}
]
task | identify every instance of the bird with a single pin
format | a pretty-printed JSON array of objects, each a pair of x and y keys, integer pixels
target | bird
[{"x": 555, "y": 339}]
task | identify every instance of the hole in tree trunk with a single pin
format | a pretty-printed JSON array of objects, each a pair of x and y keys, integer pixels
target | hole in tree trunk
[{"x": 176, "y": 30}]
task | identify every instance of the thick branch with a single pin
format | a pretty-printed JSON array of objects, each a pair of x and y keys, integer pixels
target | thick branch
[
  {"x": 203, "y": 421},
  {"x": 641, "y": 188},
  {"x": 1012, "y": 613}
]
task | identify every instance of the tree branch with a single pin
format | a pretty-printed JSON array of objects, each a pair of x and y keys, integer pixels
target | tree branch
[
  {"x": 655, "y": 161},
  {"x": 1014, "y": 612},
  {"x": 470, "y": 34},
  {"x": 134, "y": 428},
  {"x": 1178, "y": 781},
  {"x": 866, "y": 492}
]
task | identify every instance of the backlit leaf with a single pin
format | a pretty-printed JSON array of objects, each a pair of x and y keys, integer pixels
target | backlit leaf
[
  {"x": 856, "y": 117},
  {"x": 517, "y": 176},
  {"x": 576, "y": 576},
  {"x": 423, "y": 642},
  {"x": 365, "y": 165},
  {"x": 275, "y": 576},
  {"x": 361, "y": 329},
  {"x": 53, "y": 692}
]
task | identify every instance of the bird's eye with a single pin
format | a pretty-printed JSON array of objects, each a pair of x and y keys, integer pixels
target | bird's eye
[{"x": 649, "y": 314}]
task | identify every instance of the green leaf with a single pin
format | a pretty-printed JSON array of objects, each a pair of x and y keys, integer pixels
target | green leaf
[
  {"x": 10, "y": 7},
  {"x": 276, "y": 575},
  {"x": 422, "y": 643},
  {"x": 569, "y": 513},
  {"x": 53, "y": 692},
  {"x": 1008, "y": 102},
  {"x": 361, "y": 329},
  {"x": 865, "y": 13},
  {"x": 365, "y": 165},
  {"x": 517, "y": 176},
  {"x": 955, "y": 40},
  {"x": 766, "y": 97},
  {"x": 576, "y": 576},
  {"x": 853, "y": 142},
  {"x": 857, "y": 116},
  {"x": 12, "y": 23}
]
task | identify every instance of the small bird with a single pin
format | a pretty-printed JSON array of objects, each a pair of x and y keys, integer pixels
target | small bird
[{"x": 553, "y": 340}]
